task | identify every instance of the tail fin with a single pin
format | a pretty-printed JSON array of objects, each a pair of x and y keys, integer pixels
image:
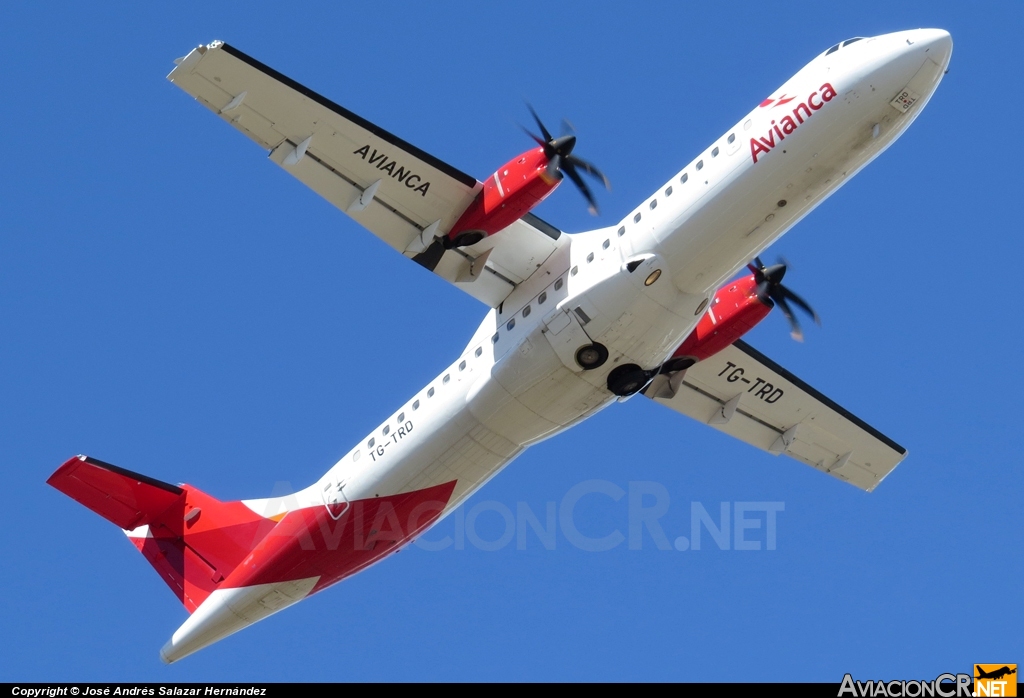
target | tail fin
[{"x": 192, "y": 540}]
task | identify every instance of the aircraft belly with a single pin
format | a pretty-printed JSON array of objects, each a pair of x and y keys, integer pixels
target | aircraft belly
[{"x": 532, "y": 393}]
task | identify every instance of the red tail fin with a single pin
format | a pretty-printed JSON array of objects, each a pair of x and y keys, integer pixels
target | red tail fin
[{"x": 192, "y": 540}]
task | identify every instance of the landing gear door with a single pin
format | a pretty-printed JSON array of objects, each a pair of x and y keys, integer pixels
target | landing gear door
[
  {"x": 333, "y": 492},
  {"x": 566, "y": 335}
]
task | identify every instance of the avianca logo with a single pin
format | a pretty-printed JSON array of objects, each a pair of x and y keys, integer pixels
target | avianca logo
[
  {"x": 787, "y": 124},
  {"x": 777, "y": 102}
]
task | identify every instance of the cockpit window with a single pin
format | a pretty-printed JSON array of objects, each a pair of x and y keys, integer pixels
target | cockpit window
[
  {"x": 850, "y": 41},
  {"x": 832, "y": 50}
]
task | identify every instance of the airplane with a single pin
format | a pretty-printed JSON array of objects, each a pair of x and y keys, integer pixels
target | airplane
[
  {"x": 995, "y": 674},
  {"x": 648, "y": 306}
]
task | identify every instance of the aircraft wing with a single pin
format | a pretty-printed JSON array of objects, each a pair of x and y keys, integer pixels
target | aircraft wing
[
  {"x": 745, "y": 394},
  {"x": 395, "y": 190}
]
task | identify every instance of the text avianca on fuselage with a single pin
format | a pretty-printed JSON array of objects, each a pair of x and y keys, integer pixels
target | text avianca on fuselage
[{"x": 644, "y": 306}]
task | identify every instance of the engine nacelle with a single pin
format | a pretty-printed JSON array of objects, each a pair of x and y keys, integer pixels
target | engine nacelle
[
  {"x": 733, "y": 312},
  {"x": 508, "y": 195}
]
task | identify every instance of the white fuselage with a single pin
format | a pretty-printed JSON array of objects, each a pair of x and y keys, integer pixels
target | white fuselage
[{"x": 517, "y": 382}]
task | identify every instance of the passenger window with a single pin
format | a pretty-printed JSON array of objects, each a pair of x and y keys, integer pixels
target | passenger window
[
  {"x": 700, "y": 164},
  {"x": 401, "y": 417},
  {"x": 622, "y": 230},
  {"x": 654, "y": 204},
  {"x": 462, "y": 365},
  {"x": 590, "y": 258},
  {"x": 668, "y": 192},
  {"x": 355, "y": 456},
  {"x": 479, "y": 351},
  {"x": 446, "y": 378},
  {"x": 415, "y": 405},
  {"x": 527, "y": 311},
  {"x": 387, "y": 428},
  {"x": 574, "y": 271},
  {"x": 559, "y": 283},
  {"x": 605, "y": 244},
  {"x": 542, "y": 297},
  {"x": 511, "y": 324},
  {"x": 430, "y": 393},
  {"x": 714, "y": 153},
  {"x": 732, "y": 137},
  {"x": 494, "y": 339},
  {"x": 636, "y": 218},
  {"x": 370, "y": 443},
  {"x": 684, "y": 178}
]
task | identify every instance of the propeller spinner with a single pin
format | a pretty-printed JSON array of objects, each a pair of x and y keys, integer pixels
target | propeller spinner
[{"x": 771, "y": 290}]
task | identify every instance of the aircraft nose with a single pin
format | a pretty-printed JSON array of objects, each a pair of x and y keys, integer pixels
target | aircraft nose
[{"x": 937, "y": 43}]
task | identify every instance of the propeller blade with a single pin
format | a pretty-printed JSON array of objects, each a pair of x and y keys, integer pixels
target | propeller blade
[
  {"x": 590, "y": 170},
  {"x": 568, "y": 128},
  {"x": 431, "y": 257},
  {"x": 554, "y": 165},
  {"x": 764, "y": 289},
  {"x": 536, "y": 138},
  {"x": 802, "y": 304},
  {"x": 758, "y": 269},
  {"x": 795, "y": 331},
  {"x": 570, "y": 170},
  {"x": 544, "y": 132}
]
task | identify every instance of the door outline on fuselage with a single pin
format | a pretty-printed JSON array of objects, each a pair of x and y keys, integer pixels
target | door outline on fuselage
[{"x": 331, "y": 493}]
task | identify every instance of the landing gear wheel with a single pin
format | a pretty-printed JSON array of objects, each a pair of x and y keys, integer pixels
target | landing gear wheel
[
  {"x": 627, "y": 379},
  {"x": 680, "y": 363},
  {"x": 467, "y": 238},
  {"x": 591, "y": 356}
]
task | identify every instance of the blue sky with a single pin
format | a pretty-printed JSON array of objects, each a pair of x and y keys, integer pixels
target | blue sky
[{"x": 172, "y": 303}]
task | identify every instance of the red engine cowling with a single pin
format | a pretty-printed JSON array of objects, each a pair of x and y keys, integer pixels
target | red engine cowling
[
  {"x": 733, "y": 312},
  {"x": 508, "y": 195}
]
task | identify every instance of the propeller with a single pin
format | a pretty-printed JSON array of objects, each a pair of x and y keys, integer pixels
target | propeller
[
  {"x": 561, "y": 161},
  {"x": 771, "y": 290}
]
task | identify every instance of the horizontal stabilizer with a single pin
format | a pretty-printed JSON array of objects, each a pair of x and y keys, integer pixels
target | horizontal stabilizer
[{"x": 126, "y": 499}]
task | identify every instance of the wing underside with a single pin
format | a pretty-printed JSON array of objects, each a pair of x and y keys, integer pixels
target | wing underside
[
  {"x": 745, "y": 394},
  {"x": 398, "y": 192}
]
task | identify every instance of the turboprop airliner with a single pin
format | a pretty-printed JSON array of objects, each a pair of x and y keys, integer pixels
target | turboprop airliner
[{"x": 651, "y": 306}]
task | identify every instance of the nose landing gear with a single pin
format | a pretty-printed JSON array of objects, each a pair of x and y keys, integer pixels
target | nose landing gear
[{"x": 591, "y": 356}]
